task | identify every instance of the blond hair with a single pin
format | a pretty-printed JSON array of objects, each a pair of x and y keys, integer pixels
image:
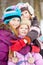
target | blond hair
[{"x": 26, "y": 22}]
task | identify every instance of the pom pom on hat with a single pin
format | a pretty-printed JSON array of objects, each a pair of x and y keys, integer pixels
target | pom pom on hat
[
  {"x": 19, "y": 5},
  {"x": 26, "y": 5},
  {"x": 10, "y": 13}
]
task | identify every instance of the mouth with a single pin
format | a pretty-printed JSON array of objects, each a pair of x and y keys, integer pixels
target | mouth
[{"x": 24, "y": 32}]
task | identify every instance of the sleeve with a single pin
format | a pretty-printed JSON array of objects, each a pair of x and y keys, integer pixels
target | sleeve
[
  {"x": 4, "y": 45},
  {"x": 36, "y": 46},
  {"x": 5, "y": 36},
  {"x": 35, "y": 49},
  {"x": 34, "y": 29}
]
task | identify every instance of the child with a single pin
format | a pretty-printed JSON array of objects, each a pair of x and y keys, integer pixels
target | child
[
  {"x": 24, "y": 56},
  {"x": 6, "y": 34},
  {"x": 28, "y": 12},
  {"x": 41, "y": 37},
  {"x": 11, "y": 18}
]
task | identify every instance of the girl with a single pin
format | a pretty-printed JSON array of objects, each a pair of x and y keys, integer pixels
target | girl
[
  {"x": 7, "y": 33},
  {"x": 28, "y": 12},
  {"x": 24, "y": 56},
  {"x": 41, "y": 37}
]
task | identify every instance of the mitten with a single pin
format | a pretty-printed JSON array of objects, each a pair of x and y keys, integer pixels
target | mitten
[
  {"x": 35, "y": 49},
  {"x": 18, "y": 45},
  {"x": 13, "y": 41}
]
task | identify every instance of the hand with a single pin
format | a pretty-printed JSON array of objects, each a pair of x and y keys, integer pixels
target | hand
[
  {"x": 15, "y": 59},
  {"x": 31, "y": 60}
]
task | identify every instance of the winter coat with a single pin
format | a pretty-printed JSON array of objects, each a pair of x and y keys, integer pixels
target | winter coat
[
  {"x": 24, "y": 48},
  {"x": 5, "y": 37},
  {"x": 34, "y": 30},
  {"x": 36, "y": 59}
]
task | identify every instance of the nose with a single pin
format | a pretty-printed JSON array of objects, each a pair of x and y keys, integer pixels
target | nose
[{"x": 23, "y": 30}]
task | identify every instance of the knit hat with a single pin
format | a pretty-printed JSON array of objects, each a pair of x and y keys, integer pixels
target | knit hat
[
  {"x": 10, "y": 8},
  {"x": 10, "y": 13},
  {"x": 26, "y": 21},
  {"x": 26, "y": 6}
]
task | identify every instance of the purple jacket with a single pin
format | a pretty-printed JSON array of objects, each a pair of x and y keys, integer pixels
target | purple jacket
[
  {"x": 5, "y": 37},
  {"x": 24, "y": 60}
]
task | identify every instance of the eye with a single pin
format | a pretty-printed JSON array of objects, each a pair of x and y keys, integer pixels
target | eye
[
  {"x": 21, "y": 14},
  {"x": 18, "y": 20},
  {"x": 25, "y": 12},
  {"x": 21, "y": 28},
  {"x": 13, "y": 19},
  {"x": 26, "y": 28}
]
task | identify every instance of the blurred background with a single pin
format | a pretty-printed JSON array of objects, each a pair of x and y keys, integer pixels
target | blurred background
[{"x": 36, "y": 4}]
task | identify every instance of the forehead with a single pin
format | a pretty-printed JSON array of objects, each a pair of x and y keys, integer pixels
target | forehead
[
  {"x": 24, "y": 26},
  {"x": 14, "y": 19},
  {"x": 25, "y": 11}
]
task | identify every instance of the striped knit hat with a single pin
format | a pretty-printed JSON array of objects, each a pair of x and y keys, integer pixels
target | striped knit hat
[{"x": 10, "y": 13}]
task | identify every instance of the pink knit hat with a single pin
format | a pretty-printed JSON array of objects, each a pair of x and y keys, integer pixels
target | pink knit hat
[{"x": 26, "y": 6}]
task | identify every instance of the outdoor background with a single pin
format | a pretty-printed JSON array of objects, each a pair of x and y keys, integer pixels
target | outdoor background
[{"x": 36, "y": 4}]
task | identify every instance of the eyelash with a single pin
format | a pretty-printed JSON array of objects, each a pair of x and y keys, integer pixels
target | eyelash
[
  {"x": 25, "y": 13},
  {"x": 21, "y": 14}
]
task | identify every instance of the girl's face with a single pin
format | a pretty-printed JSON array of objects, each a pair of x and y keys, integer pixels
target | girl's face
[
  {"x": 23, "y": 30},
  {"x": 25, "y": 14},
  {"x": 15, "y": 22}
]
